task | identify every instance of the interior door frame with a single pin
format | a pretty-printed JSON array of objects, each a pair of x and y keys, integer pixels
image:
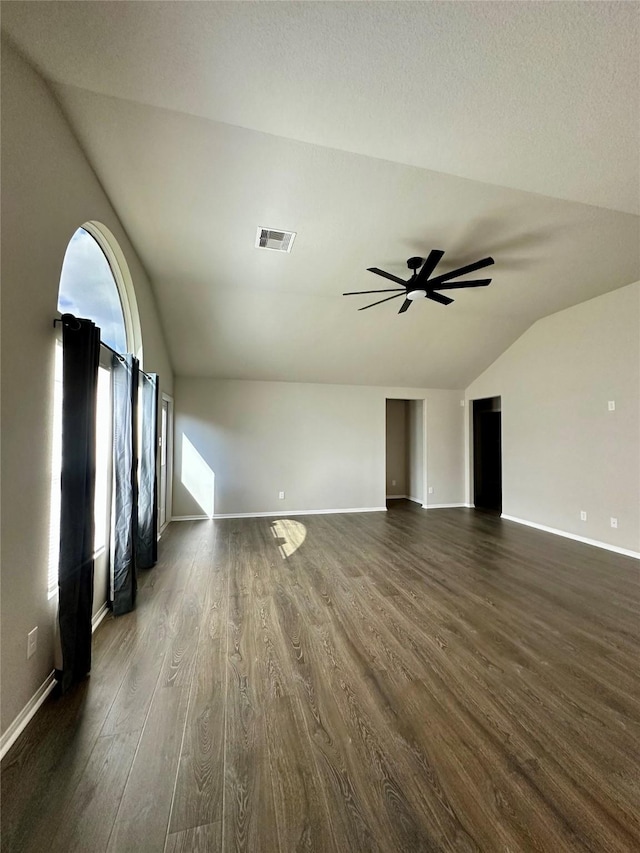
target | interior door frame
[
  {"x": 425, "y": 479},
  {"x": 469, "y": 449},
  {"x": 168, "y": 399}
]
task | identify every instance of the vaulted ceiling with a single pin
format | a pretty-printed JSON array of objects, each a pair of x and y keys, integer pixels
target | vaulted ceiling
[{"x": 376, "y": 131}]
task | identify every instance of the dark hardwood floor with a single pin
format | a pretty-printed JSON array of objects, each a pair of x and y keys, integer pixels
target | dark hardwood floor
[{"x": 400, "y": 681}]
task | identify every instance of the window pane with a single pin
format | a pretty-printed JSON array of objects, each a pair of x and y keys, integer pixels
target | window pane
[
  {"x": 163, "y": 434},
  {"x": 103, "y": 457},
  {"x": 56, "y": 469},
  {"x": 88, "y": 289}
]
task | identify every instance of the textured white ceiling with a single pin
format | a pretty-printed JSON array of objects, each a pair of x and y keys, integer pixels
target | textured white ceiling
[
  {"x": 531, "y": 95},
  {"x": 205, "y": 120}
]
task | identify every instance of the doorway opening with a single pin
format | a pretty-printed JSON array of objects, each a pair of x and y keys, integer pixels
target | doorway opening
[
  {"x": 487, "y": 454},
  {"x": 405, "y": 451}
]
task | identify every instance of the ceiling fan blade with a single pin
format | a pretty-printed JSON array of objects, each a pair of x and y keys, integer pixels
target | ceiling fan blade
[
  {"x": 387, "y": 275},
  {"x": 435, "y": 255},
  {"x": 406, "y": 304},
  {"x": 478, "y": 265},
  {"x": 437, "y": 297},
  {"x": 480, "y": 282},
  {"x": 389, "y": 290},
  {"x": 380, "y": 301}
]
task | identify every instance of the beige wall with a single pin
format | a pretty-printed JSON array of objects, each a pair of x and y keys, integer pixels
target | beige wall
[
  {"x": 323, "y": 445},
  {"x": 562, "y": 450},
  {"x": 397, "y": 449},
  {"x": 48, "y": 191}
]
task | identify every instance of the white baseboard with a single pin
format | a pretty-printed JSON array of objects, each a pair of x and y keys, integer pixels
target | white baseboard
[
  {"x": 596, "y": 542},
  {"x": 442, "y": 506},
  {"x": 424, "y": 506},
  {"x": 97, "y": 619},
  {"x": 25, "y": 716},
  {"x": 283, "y": 514},
  {"x": 190, "y": 518}
]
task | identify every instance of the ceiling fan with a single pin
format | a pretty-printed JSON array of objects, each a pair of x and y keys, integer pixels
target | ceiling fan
[{"x": 420, "y": 285}]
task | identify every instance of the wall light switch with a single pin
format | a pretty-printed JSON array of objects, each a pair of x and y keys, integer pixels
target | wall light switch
[
  {"x": 430, "y": 490},
  {"x": 614, "y": 522},
  {"x": 583, "y": 515},
  {"x": 281, "y": 495},
  {"x": 462, "y": 403},
  {"x": 612, "y": 405},
  {"x": 32, "y": 642}
]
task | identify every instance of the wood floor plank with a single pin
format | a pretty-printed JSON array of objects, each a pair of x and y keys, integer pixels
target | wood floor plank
[
  {"x": 43, "y": 768},
  {"x": 131, "y": 704},
  {"x": 142, "y": 819},
  {"x": 353, "y": 821},
  {"x": 87, "y": 821},
  {"x": 400, "y": 681},
  {"x": 158, "y": 609},
  {"x": 402, "y": 822},
  {"x": 199, "y": 785},
  {"x": 248, "y": 816},
  {"x": 301, "y": 809},
  {"x": 248, "y": 811},
  {"x": 199, "y": 839}
]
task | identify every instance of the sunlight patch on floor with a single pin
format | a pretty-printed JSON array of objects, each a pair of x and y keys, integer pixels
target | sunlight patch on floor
[{"x": 289, "y": 535}]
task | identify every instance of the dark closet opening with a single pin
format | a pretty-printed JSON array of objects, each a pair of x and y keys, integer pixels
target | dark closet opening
[{"x": 487, "y": 454}]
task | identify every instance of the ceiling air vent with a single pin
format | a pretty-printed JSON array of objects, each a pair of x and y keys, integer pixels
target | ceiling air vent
[{"x": 269, "y": 238}]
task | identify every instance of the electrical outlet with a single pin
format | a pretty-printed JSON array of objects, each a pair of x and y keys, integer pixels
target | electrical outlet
[
  {"x": 281, "y": 496},
  {"x": 612, "y": 405},
  {"x": 393, "y": 482},
  {"x": 32, "y": 642},
  {"x": 614, "y": 522},
  {"x": 430, "y": 490},
  {"x": 583, "y": 515}
]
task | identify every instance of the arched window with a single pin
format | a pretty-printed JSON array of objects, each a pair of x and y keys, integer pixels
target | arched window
[
  {"x": 94, "y": 284},
  {"x": 88, "y": 288}
]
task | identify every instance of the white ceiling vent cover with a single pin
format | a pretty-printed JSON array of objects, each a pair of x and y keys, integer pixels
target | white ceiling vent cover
[{"x": 269, "y": 238}]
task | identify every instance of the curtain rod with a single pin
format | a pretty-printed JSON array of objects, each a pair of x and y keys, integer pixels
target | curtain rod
[{"x": 102, "y": 344}]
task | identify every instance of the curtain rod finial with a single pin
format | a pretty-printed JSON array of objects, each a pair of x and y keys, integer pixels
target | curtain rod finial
[{"x": 71, "y": 322}]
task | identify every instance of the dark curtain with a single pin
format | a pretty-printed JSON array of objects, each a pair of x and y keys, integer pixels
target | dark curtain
[
  {"x": 125, "y": 481},
  {"x": 81, "y": 357},
  {"x": 147, "y": 544}
]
